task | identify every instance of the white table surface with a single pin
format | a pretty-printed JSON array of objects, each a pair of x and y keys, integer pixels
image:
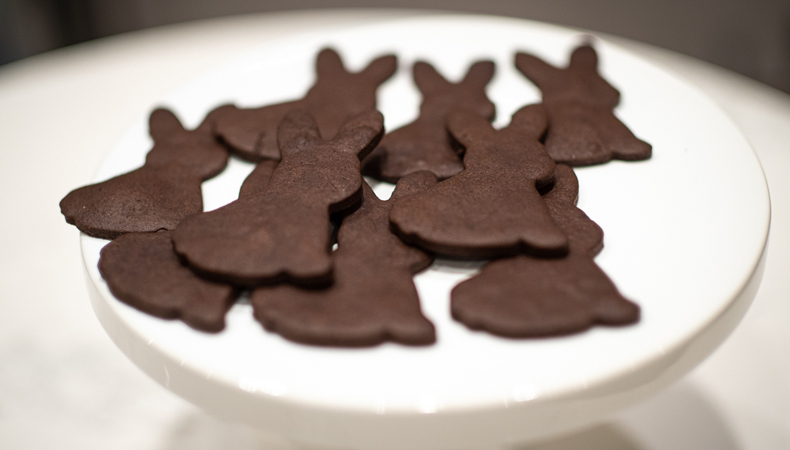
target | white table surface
[{"x": 63, "y": 383}]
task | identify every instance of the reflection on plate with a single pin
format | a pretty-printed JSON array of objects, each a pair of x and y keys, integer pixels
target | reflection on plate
[{"x": 685, "y": 232}]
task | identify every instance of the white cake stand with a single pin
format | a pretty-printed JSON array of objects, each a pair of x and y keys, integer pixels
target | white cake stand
[{"x": 685, "y": 231}]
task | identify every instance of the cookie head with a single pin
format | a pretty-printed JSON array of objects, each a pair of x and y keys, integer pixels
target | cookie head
[
  {"x": 441, "y": 95},
  {"x": 517, "y": 146},
  {"x": 579, "y": 82},
  {"x": 195, "y": 152},
  {"x": 339, "y": 94},
  {"x": 326, "y": 169}
]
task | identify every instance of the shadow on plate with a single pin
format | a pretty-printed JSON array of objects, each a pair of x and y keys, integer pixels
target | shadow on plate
[{"x": 679, "y": 418}]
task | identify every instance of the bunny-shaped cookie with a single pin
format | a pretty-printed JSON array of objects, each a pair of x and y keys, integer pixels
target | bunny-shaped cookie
[
  {"x": 142, "y": 271},
  {"x": 156, "y": 196},
  {"x": 493, "y": 208},
  {"x": 424, "y": 144},
  {"x": 525, "y": 296},
  {"x": 583, "y": 129},
  {"x": 372, "y": 298},
  {"x": 336, "y": 96},
  {"x": 282, "y": 231}
]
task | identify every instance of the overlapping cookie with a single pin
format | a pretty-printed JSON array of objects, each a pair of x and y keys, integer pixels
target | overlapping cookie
[
  {"x": 493, "y": 208},
  {"x": 258, "y": 180},
  {"x": 424, "y": 144},
  {"x": 524, "y": 296},
  {"x": 142, "y": 271},
  {"x": 336, "y": 96},
  {"x": 156, "y": 196},
  {"x": 282, "y": 231},
  {"x": 583, "y": 129},
  {"x": 372, "y": 298}
]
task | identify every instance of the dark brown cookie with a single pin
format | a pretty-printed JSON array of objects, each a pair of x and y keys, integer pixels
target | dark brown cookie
[
  {"x": 282, "y": 232},
  {"x": 526, "y": 296},
  {"x": 156, "y": 196},
  {"x": 257, "y": 181},
  {"x": 336, "y": 96},
  {"x": 142, "y": 271},
  {"x": 493, "y": 208},
  {"x": 583, "y": 129},
  {"x": 372, "y": 298},
  {"x": 424, "y": 144}
]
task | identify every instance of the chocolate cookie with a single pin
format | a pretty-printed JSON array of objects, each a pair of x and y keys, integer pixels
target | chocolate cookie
[
  {"x": 583, "y": 129},
  {"x": 142, "y": 271},
  {"x": 526, "y": 296},
  {"x": 424, "y": 144},
  {"x": 493, "y": 208},
  {"x": 336, "y": 96},
  {"x": 257, "y": 181},
  {"x": 372, "y": 298},
  {"x": 282, "y": 231},
  {"x": 156, "y": 196}
]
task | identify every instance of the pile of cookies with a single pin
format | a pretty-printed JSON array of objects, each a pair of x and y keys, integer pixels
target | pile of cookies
[{"x": 326, "y": 261}]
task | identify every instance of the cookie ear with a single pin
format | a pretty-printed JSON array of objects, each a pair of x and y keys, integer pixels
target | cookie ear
[
  {"x": 381, "y": 69},
  {"x": 295, "y": 130},
  {"x": 530, "y": 120},
  {"x": 584, "y": 58},
  {"x": 414, "y": 183},
  {"x": 534, "y": 68},
  {"x": 427, "y": 78},
  {"x": 360, "y": 134},
  {"x": 468, "y": 128},
  {"x": 163, "y": 124},
  {"x": 328, "y": 64},
  {"x": 479, "y": 74}
]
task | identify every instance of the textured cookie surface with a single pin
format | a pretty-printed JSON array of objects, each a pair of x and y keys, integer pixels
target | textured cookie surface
[
  {"x": 493, "y": 208},
  {"x": 583, "y": 129},
  {"x": 336, "y": 96},
  {"x": 372, "y": 298},
  {"x": 424, "y": 144},
  {"x": 258, "y": 180},
  {"x": 524, "y": 296},
  {"x": 282, "y": 231},
  {"x": 142, "y": 271},
  {"x": 156, "y": 196}
]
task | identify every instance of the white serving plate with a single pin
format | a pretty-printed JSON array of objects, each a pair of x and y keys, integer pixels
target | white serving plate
[{"x": 685, "y": 238}]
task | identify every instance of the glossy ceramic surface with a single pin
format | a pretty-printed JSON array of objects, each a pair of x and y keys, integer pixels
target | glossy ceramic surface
[{"x": 685, "y": 235}]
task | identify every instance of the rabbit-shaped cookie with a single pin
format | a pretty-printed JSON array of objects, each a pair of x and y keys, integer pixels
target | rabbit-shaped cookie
[
  {"x": 142, "y": 271},
  {"x": 372, "y": 298},
  {"x": 583, "y": 129},
  {"x": 525, "y": 296},
  {"x": 156, "y": 196},
  {"x": 493, "y": 208},
  {"x": 282, "y": 231},
  {"x": 424, "y": 144},
  {"x": 336, "y": 96}
]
